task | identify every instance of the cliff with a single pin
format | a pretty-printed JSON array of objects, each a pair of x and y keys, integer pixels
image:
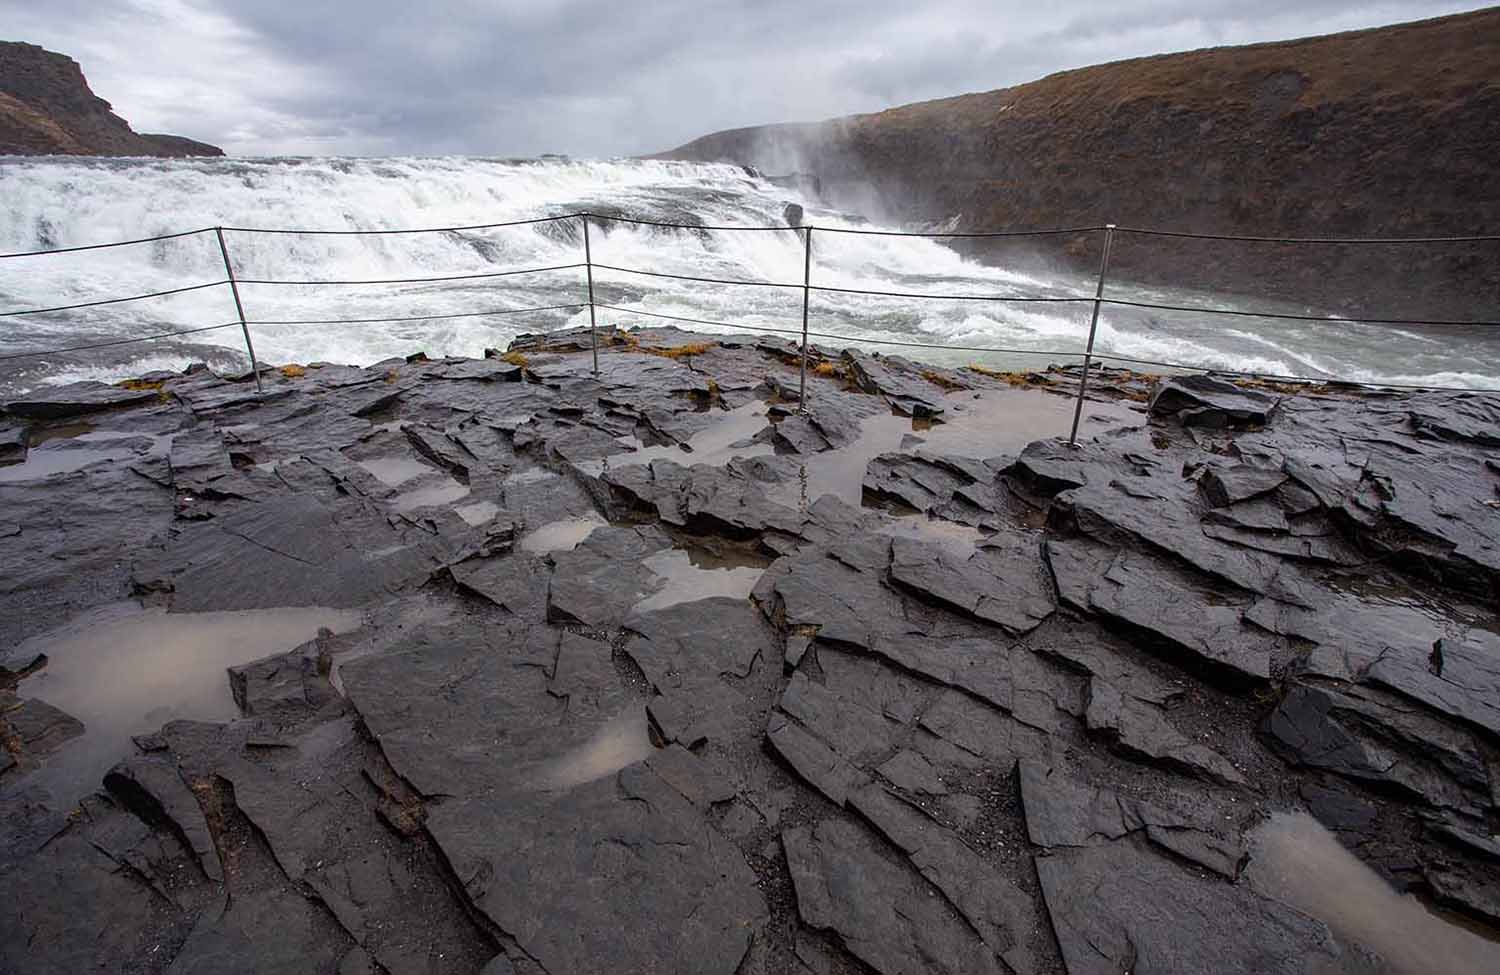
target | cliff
[
  {"x": 47, "y": 107},
  {"x": 1387, "y": 132}
]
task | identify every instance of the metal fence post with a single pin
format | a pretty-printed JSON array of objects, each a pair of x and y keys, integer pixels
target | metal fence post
[
  {"x": 806, "y": 293},
  {"x": 588, "y": 263},
  {"x": 1088, "y": 354},
  {"x": 239, "y": 309}
]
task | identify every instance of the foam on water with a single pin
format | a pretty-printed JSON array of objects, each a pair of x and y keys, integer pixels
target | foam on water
[{"x": 52, "y": 203}]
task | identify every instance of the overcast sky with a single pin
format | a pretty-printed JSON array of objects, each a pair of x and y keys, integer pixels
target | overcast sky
[{"x": 600, "y": 77}]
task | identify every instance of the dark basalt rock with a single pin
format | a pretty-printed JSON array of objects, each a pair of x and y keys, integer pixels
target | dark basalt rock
[
  {"x": 154, "y": 790},
  {"x": 1107, "y": 856},
  {"x": 1003, "y": 582},
  {"x": 1203, "y": 401},
  {"x": 76, "y": 399},
  {"x": 602, "y": 791},
  {"x": 879, "y": 911},
  {"x": 13, "y": 444},
  {"x": 900, "y": 381},
  {"x": 598, "y": 582}
]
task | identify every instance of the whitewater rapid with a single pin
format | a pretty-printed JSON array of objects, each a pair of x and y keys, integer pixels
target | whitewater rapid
[{"x": 51, "y": 203}]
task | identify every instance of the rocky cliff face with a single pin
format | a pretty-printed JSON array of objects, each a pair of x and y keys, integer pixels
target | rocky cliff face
[
  {"x": 1387, "y": 132},
  {"x": 47, "y": 107}
]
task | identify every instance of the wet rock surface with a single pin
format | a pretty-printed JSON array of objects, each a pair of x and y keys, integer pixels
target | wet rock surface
[{"x": 969, "y": 704}]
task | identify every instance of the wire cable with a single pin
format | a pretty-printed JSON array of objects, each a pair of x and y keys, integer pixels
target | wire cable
[
  {"x": 115, "y": 243},
  {"x": 913, "y": 294},
  {"x": 447, "y": 277},
  {"x": 1289, "y": 317},
  {"x": 689, "y": 277},
  {"x": 113, "y": 301},
  {"x": 1143, "y": 231},
  {"x": 417, "y": 318},
  {"x": 403, "y": 230},
  {"x": 112, "y": 344}
]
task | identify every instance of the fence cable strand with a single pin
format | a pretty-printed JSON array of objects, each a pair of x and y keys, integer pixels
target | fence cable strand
[
  {"x": 114, "y": 301},
  {"x": 113, "y": 343}
]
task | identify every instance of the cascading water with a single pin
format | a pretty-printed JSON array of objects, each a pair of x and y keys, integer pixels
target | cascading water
[{"x": 54, "y": 203}]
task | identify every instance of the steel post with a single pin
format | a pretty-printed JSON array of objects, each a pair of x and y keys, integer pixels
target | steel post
[
  {"x": 239, "y": 309},
  {"x": 806, "y": 294},
  {"x": 588, "y": 263},
  {"x": 1088, "y": 354}
]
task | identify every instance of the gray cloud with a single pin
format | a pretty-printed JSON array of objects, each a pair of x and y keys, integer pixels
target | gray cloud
[{"x": 601, "y": 77}]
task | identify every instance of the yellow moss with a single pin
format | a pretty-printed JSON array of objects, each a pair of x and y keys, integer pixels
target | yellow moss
[
  {"x": 1013, "y": 378},
  {"x": 679, "y": 351},
  {"x": 142, "y": 384},
  {"x": 294, "y": 371},
  {"x": 940, "y": 380},
  {"x": 826, "y": 369},
  {"x": 515, "y": 359}
]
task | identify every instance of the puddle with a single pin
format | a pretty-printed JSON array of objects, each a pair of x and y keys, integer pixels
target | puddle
[
  {"x": 395, "y": 471},
  {"x": 445, "y": 492},
  {"x": 530, "y": 475},
  {"x": 1298, "y": 862},
  {"x": 125, "y": 671},
  {"x": 713, "y": 445},
  {"x": 958, "y": 540},
  {"x": 688, "y": 575},
  {"x": 560, "y": 536},
  {"x": 478, "y": 513},
  {"x": 997, "y": 422},
  {"x": 623, "y": 740},
  {"x": 60, "y": 452}
]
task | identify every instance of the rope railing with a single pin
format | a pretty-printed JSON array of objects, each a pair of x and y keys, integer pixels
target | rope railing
[{"x": 806, "y": 286}]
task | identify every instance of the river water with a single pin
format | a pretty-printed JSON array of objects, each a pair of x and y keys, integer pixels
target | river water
[{"x": 48, "y": 203}]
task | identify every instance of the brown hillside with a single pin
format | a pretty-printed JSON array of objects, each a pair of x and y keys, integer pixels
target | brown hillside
[
  {"x": 1386, "y": 132},
  {"x": 47, "y": 107}
]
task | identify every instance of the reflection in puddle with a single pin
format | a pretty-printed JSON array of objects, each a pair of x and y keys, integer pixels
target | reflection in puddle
[
  {"x": 443, "y": 492},
  {"x": 621, "y": 741},
  {"x": 560, "y": 536},
  {"x": 394, "y": 471},
  {"x": 989, "y": 424},
  {"x": 65, "y": 453},
  {"x": 478, "y": 513},
  {"x": 1299, "y": 863},
  {"x": 530, "y": 475},
  {"x": 714, "y": 445},
  {"x": 125, "y": 671},
  {"x": 958, "y": 540},
  {"x": 690, "y": 575}
]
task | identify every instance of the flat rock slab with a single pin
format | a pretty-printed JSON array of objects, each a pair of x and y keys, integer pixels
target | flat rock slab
[
  {"x": 879, "y": 911},
  {"x": 1208, "y": 402},
  {"x": 642, "y": 879},
  {"x": 76, "y": 399}
]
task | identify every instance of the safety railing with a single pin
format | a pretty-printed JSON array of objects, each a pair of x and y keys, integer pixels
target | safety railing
[{"x": 1095, "y": 302}]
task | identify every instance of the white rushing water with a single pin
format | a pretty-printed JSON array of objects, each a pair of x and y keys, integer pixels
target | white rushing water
[{"x": 56, "y": 203}]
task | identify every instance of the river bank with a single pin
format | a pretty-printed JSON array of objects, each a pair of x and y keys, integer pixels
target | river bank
[{"x": 533, "y": 670}]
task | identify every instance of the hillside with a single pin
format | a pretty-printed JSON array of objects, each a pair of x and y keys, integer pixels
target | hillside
[
  {"x": 47, "y": 107},
  {"x": 1388, "y": 132}
]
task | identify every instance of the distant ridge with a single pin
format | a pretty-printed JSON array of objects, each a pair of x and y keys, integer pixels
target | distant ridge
[
  {"x": 47, "y": 107},
  {"x": 1390, "y": 132}
]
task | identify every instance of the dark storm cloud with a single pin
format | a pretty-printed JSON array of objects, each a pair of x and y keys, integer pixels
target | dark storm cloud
[{"x": 601, "y": 77}]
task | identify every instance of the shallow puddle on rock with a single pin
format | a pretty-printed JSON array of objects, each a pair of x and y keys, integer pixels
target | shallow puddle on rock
[
  {"x": 958, "y": 540},
  {"x": 714, "y": 445},
  {"x": 444, "y": 492},
  {"x": 478, "y": 513},
  {"x": 530, "y": 475},
  {"x": 60, "y": 454},
  {"x": 124, "y": 671},
  {"x": 394, "y": 471},
  {"x": 1297, "y": 861},
  {"x": 687, "y": 575},
  {"x": 994, "y": 423},
  {"x": 622, "y": 740},
  {"x": 562, "y": 535}
]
